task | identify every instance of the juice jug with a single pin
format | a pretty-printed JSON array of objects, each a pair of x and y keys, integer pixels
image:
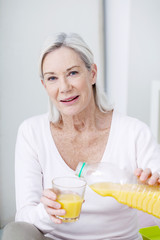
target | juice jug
[{"x": 108, "y": 180}]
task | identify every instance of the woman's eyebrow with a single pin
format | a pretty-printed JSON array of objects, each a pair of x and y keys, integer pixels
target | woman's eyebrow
[
  {"x": 68, "y": 69},
  {"x": 72, "y": 67},
  {"x": 48, "y": 73}
]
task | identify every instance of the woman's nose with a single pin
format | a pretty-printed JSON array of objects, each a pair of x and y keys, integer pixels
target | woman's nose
[{"x": 64, "y": 85}]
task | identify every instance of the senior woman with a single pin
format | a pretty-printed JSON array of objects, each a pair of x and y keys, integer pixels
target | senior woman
[{"x": 80, "y": 126}]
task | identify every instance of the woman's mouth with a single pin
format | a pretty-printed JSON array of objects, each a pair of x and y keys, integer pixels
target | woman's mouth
[{"x": 70, "y": 99}]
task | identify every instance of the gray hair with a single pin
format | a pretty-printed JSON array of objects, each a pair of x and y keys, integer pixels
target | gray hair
[{"x": 76, "y": 43}]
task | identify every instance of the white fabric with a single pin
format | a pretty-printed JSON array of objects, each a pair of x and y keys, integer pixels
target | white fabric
[{"x": 37, "y": 162}]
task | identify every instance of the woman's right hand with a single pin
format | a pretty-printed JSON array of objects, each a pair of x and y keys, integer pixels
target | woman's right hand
[{"x": 53, "y": 208}]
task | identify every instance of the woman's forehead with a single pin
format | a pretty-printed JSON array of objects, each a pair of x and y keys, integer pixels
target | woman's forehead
[
  {"x": 63, "y": 52},
  {"x": 62, "y": 58}
]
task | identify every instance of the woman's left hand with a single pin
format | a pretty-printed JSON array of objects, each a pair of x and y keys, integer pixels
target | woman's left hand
[{"x": 146, "y": 176}]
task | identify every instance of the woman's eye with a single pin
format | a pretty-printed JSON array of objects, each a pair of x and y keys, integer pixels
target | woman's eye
[
  {"x": 52, "y": 78},
  {"x": 73, "y": 73}
]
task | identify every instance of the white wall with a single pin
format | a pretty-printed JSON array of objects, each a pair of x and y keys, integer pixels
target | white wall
[
  {"x": 117, "y": 51},
  {"x": 133, "y": 54},
  {"x": 155, "y": 109},
  {"x": 144, "y": 58},
  {"x": 24, "y": 25}
]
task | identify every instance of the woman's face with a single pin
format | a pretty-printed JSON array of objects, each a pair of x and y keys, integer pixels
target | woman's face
[{"x": 67, "y": 80}]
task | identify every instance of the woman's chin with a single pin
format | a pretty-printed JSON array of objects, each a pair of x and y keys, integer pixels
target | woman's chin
[{"x": 70, "y": 112}]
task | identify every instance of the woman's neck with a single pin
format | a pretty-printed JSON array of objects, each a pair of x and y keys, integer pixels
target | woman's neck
[
  {"x": 90, "y": 119},
  {"x": 82, "y": 121}
]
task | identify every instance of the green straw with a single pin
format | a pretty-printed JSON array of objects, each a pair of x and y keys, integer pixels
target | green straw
[{"x": 81, "y": 169}]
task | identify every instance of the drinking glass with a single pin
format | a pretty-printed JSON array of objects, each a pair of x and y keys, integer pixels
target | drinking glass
[{"x": 70, "y": 194}]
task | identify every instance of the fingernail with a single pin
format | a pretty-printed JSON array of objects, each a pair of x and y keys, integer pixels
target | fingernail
[
  {"x": 143, "y": 178},
  {"x": 57, "y": 205},
  {"x": 53, "y": 196},
  {"x": 63, "y": 212},
  {"x": 58, "y": 221},
  {"x": 150, "y": 182}
]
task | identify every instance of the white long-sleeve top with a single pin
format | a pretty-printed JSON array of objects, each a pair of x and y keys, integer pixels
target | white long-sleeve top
[{"x": 37, "y": 162}]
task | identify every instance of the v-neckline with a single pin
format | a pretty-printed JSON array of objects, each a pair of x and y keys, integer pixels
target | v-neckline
[{"x": 106, "y": 151}]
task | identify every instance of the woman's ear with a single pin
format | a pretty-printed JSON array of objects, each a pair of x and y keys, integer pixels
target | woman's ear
[
  {"x": 94, "y": 73},
  {"x": 43, "y": 83}
]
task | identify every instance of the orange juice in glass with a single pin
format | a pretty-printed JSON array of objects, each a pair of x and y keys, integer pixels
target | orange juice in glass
[{"x": 70, "y": 194}]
